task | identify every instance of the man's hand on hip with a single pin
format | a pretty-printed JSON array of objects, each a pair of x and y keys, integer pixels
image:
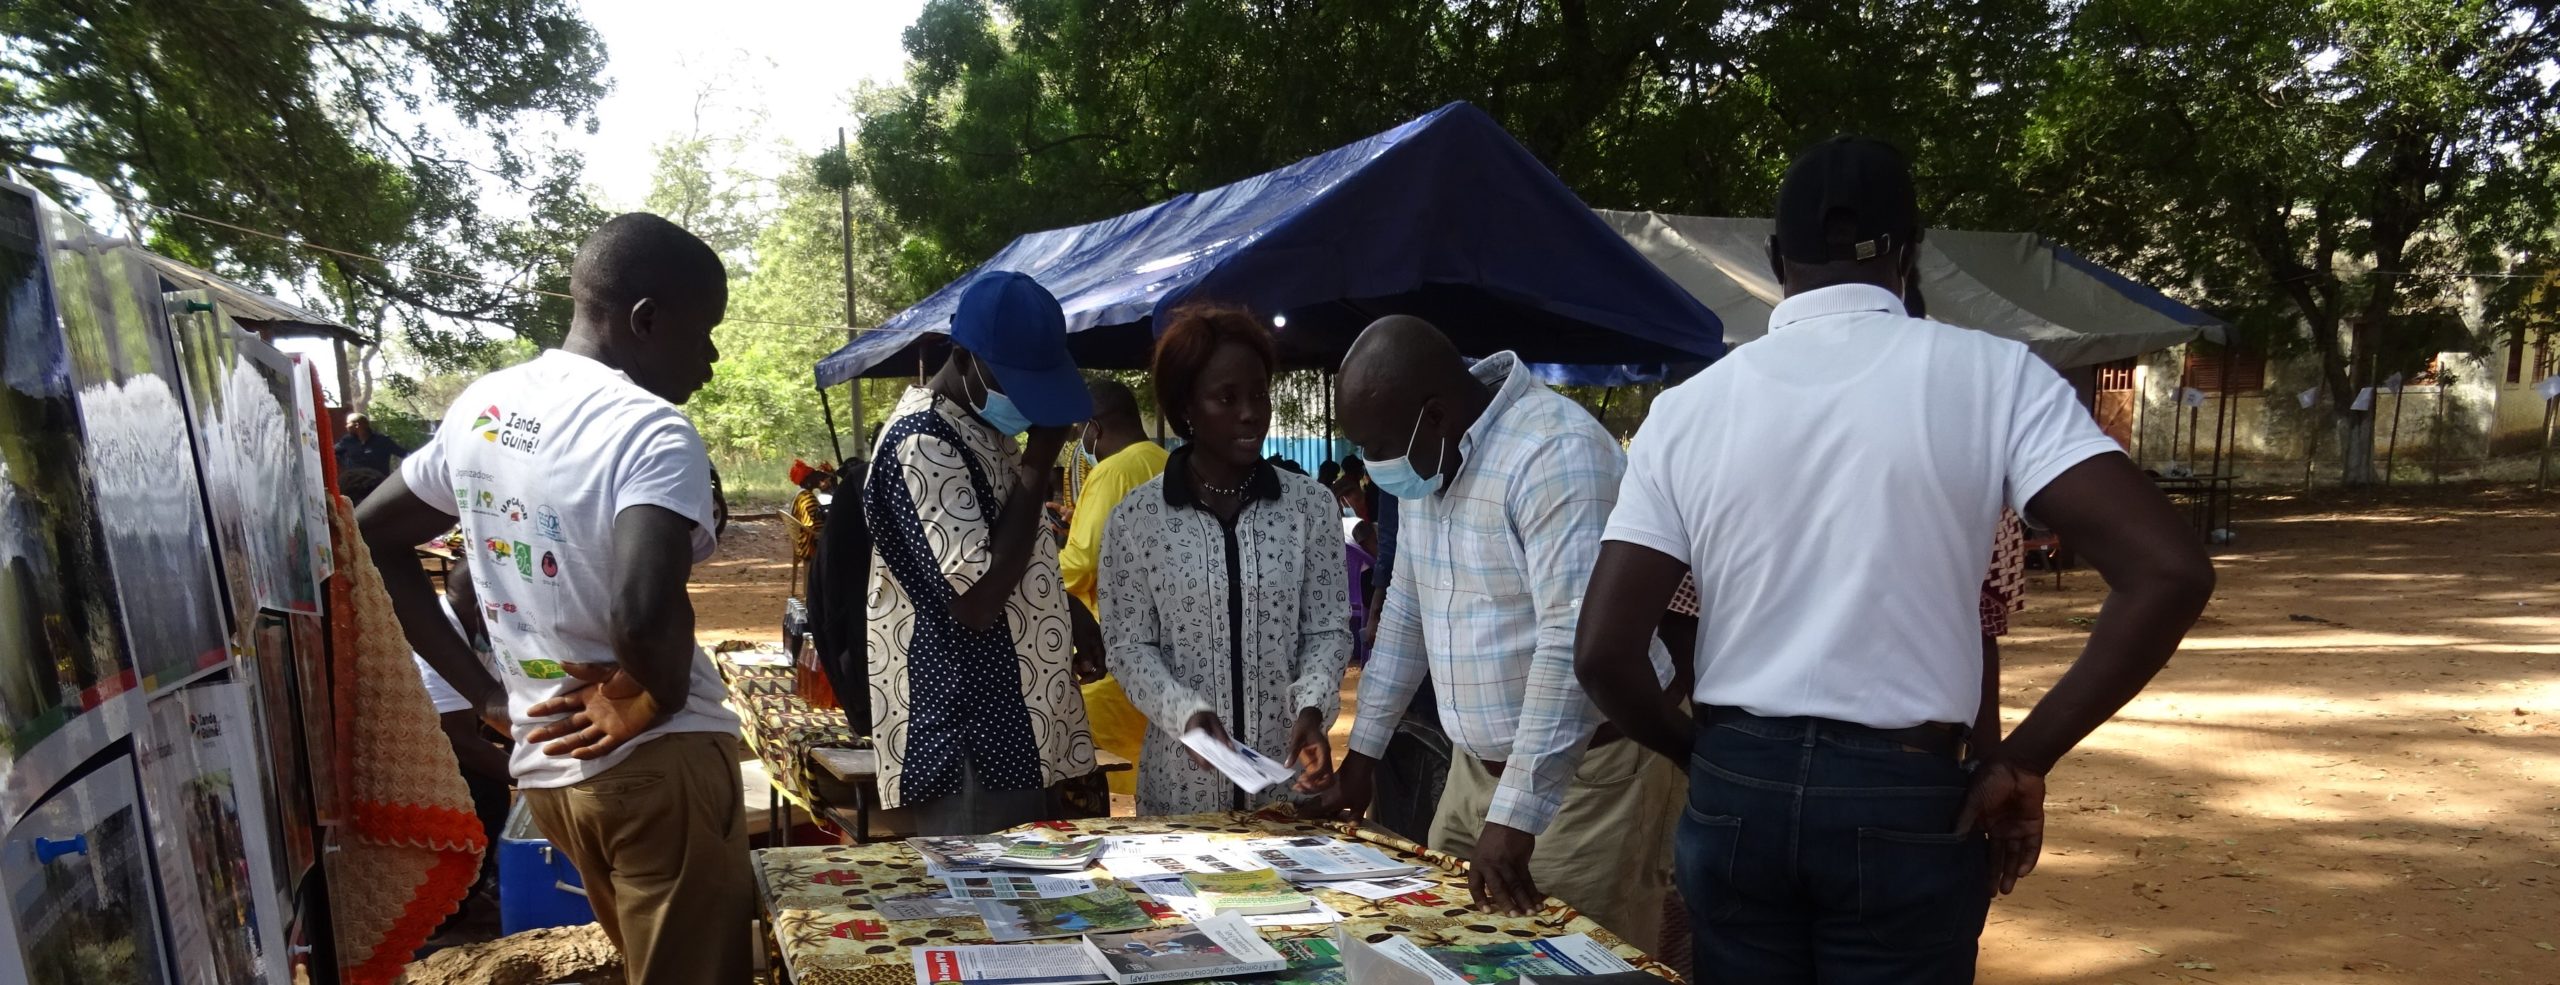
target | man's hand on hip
[
  {"x": 1498, "y": 875},
  {"x": 601, "y": 718},
  {"x": 2006, "y": 801}
]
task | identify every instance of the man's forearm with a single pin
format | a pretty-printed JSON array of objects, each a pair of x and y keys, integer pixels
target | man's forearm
[
  {"x": 658, "y": 653},
  {"x": 413, "y": 602},
  {"x": 2138, "y": 631},
  {"x": 1612, "y": 659}
]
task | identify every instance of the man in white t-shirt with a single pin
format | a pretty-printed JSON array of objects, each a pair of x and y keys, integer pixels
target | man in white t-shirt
[
  {"x": 585, "y": 499},
  {"x": 1834, "y": 488}
]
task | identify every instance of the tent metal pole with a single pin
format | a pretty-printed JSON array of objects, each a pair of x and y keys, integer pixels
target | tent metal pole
[
  {"x": 2392, "y": 450},
  {"x": 844, "y": 202},
  {"x": 2221, "y": 407},
  {"x": 2310, "y": 455},
  {"x": 2542, "y": 469},
  {"x": 827, "y": 407},
  {"x": 2141, "y": 400}
]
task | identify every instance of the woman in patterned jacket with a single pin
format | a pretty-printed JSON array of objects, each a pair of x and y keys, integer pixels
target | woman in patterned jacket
[{"x": 1224, "y": 601}]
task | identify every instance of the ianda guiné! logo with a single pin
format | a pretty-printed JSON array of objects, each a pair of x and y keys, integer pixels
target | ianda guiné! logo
[{"x": 517, "y": 431}]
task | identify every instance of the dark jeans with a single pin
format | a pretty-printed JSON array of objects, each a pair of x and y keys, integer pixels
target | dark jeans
[{"x": 1816, "y": 851}]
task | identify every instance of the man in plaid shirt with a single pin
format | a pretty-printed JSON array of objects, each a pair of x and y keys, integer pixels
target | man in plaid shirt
[{"x": 1505, "y": 487}]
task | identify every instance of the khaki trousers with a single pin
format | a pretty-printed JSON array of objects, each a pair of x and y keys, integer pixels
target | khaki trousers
[
  {"x": 1608, "y": 851},
  {"x": 661, "y": 842}
]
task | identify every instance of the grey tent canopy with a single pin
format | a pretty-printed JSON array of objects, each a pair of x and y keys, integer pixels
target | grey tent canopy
[{"x": 2070, "y": 311}]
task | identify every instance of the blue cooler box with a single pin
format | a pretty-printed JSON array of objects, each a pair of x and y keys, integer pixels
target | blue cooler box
[{"x": 537, "y": 887}]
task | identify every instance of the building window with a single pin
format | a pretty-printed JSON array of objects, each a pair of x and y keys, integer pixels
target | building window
[
  {"x": 2115, "y": 376},
  {"x": 2205, "y": 367}
]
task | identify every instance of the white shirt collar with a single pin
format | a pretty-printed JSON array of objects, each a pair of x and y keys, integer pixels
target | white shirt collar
[{"x": 1839, "y": 299}]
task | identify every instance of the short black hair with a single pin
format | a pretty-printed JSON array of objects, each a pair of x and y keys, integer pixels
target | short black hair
[
  {"x": 1329, "y": 473},
  {"x": 639, "y": 255},
  {"x": 1112, "y": 400},
  {"x": 1194, "y": 336},
  {"x": 1353, "y": 466}
]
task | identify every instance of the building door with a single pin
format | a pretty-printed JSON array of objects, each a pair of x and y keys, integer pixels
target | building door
[{"x": 2115, "y": 403}]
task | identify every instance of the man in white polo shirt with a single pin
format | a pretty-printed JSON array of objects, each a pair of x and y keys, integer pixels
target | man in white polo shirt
[
  {"x": 585, "y": 498},
  {"x": 1834, "y": 489}
]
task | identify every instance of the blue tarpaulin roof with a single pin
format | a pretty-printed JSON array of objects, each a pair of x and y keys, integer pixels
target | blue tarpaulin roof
[{"x": 1445, "y": 217}]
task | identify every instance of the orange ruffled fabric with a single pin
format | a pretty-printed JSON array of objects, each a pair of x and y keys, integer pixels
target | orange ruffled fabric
[{"x": 411, "y": 846}]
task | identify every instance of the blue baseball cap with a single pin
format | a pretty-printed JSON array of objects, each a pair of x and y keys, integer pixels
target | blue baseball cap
[{"x": 1015, "y": 326}]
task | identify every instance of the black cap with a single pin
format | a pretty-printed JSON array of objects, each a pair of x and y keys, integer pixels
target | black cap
[{"x": 1860, "y": 179}]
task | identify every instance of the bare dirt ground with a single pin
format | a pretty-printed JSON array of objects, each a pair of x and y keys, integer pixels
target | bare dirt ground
[{"x": 2350, "y": 774}]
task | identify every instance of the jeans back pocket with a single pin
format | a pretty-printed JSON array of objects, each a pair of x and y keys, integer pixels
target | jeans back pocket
[
  {"x": 1703, "y": 851},
  {"x": 1923, "y": 891}
]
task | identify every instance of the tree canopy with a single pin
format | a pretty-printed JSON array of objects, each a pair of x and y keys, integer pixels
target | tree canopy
[
  {"x": 400, "y": 130},
  {"x": 2325, "y": 173},
  {"x": 1043, "y": 113}
]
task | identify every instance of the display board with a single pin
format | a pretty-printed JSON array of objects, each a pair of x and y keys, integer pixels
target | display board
[{"x": 163, "y": 644}]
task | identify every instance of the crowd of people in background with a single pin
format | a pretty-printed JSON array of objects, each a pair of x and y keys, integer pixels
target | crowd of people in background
[{"x": 1750, "y": 652}]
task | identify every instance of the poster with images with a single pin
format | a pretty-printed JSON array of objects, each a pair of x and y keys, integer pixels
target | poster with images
[
  {"x": 79, "y": 885},
  {"x": 265, "y": 436},
  {"x": 329, "y": 754},
  {"x": 218, "y": 887},
  {"x": 313, "y": 490},
  {"x": 269, "y": 675},
  {"x": 61, "y": 634},
  {"x": 208, "y": 359},
  {"x": 109, "y": 302}
]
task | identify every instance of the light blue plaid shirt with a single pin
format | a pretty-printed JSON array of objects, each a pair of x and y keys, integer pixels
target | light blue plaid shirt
[{"x": 1488, "y": 587}]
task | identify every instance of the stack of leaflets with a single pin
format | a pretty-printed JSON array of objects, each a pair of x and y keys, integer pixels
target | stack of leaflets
[
  {"x": 932, "y": 904},
  {"x": 1123, "y": 846},
  {"x": 1374, "y": 890},
  {"x": 1219, "y": 947},
  {"x": 1005, "y": 886},
  {"x": 1177, "y": 895},
  {"x": 956, "y": 855},
  {"x": 1397, "y": 961},
  {"x": 1007, "y": 964},
  {"x": 1310, "y": 859},
  {"x": 1247, "y": 892},
  {"x": 1158, "y": 866},
  {"x": 1251, "y": 770},
  {"x": 1105, "y": 909},
  {"x": 1310, "y": 962}
]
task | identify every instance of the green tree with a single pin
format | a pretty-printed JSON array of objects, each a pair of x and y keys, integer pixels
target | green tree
[
  {"x": 786, "y": 300},
  {"x": 328, "y": 121},
  {"x": 1066, "y": 111},
  {"x": 2320, "y": 170}
]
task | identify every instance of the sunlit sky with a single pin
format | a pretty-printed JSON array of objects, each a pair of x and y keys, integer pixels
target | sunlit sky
[{"x": 792, "y": 61}]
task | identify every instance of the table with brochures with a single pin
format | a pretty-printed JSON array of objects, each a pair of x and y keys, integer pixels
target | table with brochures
[{"x": 826, "y": 931}]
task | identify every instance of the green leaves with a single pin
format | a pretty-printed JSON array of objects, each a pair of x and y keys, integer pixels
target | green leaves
[{"x": 312, "y": 120}]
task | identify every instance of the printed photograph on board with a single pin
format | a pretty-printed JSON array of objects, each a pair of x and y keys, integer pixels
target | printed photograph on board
[
  {"x": 269, "y": 673},
  {"x": 60, "y": 649},
  {"x": 79, "y": 885},
  {"x": 215, "y": 877},
  {"x": 110, "y": 306}
]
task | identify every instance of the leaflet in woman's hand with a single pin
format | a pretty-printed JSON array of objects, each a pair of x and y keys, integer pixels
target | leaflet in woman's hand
[{"x": 1250, "y": 770}]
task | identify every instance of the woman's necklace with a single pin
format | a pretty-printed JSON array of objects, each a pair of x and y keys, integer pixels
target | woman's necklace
[
  {"x": 1230, "y": 492},
  {"x": 1224, "y": 492}
]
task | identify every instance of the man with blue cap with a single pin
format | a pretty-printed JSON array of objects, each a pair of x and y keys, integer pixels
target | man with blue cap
[{"x": 974, "y": 706}]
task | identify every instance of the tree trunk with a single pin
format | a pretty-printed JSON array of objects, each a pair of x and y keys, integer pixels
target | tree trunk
[{"x": 2355, "y": 448}]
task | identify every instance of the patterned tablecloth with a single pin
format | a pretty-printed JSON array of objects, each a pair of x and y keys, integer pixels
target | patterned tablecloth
[
  {"x": 780, "y": 728},
  {"x": 829, "y": 934}
]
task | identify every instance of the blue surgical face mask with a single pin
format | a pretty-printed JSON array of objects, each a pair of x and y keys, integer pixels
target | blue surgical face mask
[
  {"x": 1396, "y": 475},
  {"x": 997, "y": 409},
  {"x": 1084, "y": 450}
]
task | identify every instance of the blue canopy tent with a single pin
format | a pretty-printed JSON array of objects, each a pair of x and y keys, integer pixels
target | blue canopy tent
[{"x": 1445, "y": 217}]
